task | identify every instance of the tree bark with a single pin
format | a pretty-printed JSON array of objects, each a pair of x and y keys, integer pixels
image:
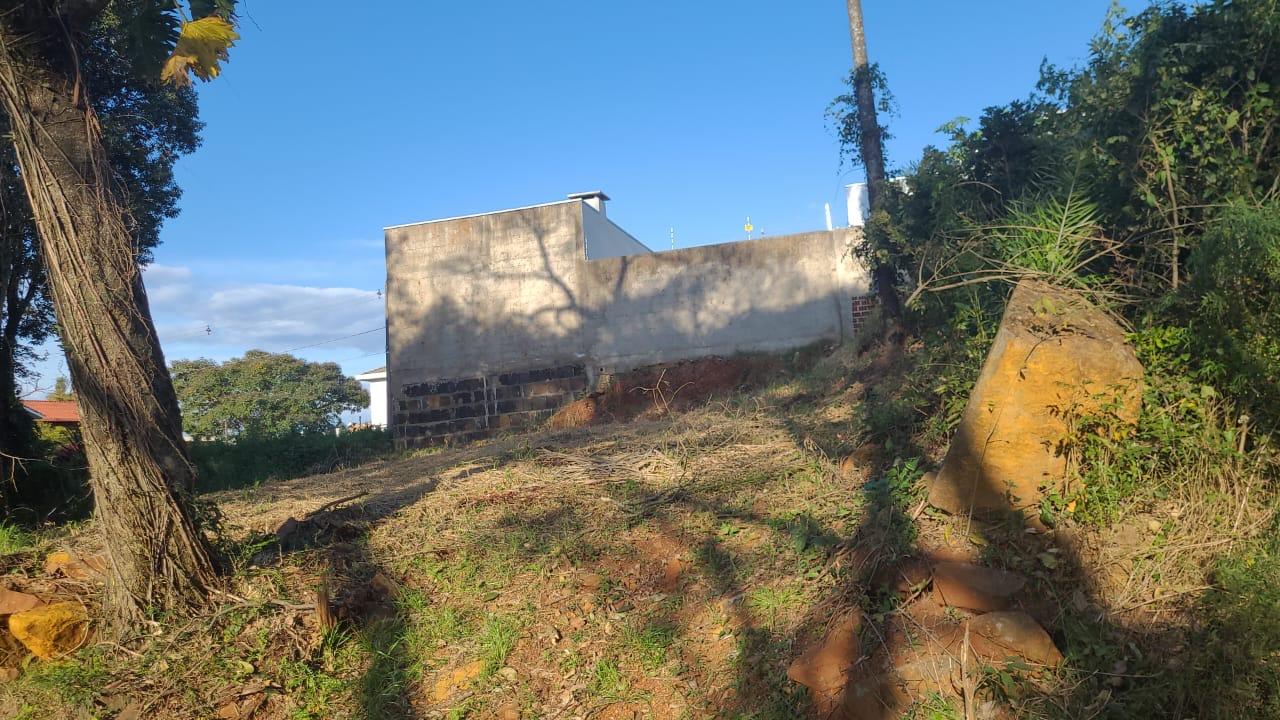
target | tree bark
[
  {"x": 872, "y": 152},
  {"x": 140, "y": 471}
]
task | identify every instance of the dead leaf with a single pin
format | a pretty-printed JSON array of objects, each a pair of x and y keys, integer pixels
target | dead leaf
[
  {"x": 202, "y": 46},
  {"x": 12, "y": 601}
]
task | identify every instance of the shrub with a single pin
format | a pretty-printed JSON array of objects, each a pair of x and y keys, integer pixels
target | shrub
[
  {"x": 224, "y": 465},
  {"x": 1235, "y": 273}
]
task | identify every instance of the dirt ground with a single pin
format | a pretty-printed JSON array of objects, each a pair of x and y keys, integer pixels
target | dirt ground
[{"x": 669, "y": 567}]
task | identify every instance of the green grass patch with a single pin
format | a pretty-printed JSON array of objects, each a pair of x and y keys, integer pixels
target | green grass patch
[
  {"x": 14, "y": 539},
  {"x": 771, "y": 603},
  {"x": 650, "y": 643},
  {"x": 497, "y": 638}
]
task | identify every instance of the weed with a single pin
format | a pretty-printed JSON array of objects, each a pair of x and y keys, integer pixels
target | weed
[
  {"x": 77, "y": 681},
  {"x": 14, "y": 539},
  {"x": 608, "y": 682},
  {"x": 649, "y": 643},
  {"x": 312, "y": 691},
  {"x": 772, "y": 602},
  {"x": 497, "y": 638},
  {"x": 934, "y": 707}
]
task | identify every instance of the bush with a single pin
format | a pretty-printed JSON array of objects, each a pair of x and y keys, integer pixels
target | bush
[
  {"x": 1235, "y": 272},
  {"x": 224, "y": 465}
]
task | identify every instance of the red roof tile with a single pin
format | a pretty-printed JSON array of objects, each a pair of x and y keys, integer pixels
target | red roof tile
[{"x": 56, "y": 411}]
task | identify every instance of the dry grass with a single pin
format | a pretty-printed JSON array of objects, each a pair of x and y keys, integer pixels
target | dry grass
[{"x": 666, "y": 568}]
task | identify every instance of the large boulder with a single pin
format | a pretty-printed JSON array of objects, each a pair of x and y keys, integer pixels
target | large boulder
[{"x": 1055, "y": 354}]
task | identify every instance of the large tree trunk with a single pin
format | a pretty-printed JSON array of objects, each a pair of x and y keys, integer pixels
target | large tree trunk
[
  {"x": 141, "y": 474},
  {"x": 872, "y": 154}
]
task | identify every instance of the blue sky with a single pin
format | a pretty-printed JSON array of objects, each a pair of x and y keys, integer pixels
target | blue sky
[{"x": 330, "y": 123}]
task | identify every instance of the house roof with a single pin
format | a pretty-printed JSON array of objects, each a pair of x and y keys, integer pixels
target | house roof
[
  {"x": 55, "y": 411},
  {"x": 378, "y": 373}
]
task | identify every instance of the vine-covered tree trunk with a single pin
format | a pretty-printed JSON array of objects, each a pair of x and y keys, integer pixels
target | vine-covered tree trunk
[
  {"x": 141, "y": 474},
  {"x": 872, "y": 153}
]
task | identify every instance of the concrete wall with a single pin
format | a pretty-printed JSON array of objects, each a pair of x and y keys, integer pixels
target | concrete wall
[
  {"x": 604, "y": 239},
  {"x": 484, "y": 293},
  {"x": 760, "y": 295},
  {"x": 496, "y": 320}
]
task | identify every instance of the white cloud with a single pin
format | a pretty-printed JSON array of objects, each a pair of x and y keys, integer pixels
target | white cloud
[{"x": 196, "y": 316}]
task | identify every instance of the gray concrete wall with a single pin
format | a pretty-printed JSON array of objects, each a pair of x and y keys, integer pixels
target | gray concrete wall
[
  {"x": 474, "y": 304},
  {"x": 604, "y": 239},
  {"x": 485, "y": 293},
  {"x": 760, "y": 295}
]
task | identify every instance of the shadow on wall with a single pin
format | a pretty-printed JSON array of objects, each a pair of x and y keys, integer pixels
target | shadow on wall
[{"x": 513, "y": 291}]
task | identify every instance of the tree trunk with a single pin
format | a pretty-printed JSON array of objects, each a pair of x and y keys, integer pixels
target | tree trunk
[
  {"x": 141, "y": 474},
  {"x": 872, "y": 155}
]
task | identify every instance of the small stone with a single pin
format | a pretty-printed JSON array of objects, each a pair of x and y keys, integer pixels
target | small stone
[
  {"x": 825, "y": 667},
  {"x": 671, "y": 572},
  {"x": 508, "y": 673},
  {"x": 1000, "y": 635},
  {"x": 509, "y": 711},
  {"x": 974, "y": 587},
  {"x": 52, "y": 630},
  {"x": 1154, "y": 526},
  {"x": 8, "y": 674}
]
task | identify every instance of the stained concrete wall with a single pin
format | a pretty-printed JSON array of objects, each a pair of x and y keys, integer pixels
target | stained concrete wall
[
  {"x": 484, "y": 293},
  {"x": 760, "y": 295},
  {"x": 604, "y": 239},
  {"x": 476, "y": 304}
]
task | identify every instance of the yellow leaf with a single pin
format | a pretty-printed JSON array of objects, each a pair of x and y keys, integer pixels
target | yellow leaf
[{"x": 201, "y": 46}]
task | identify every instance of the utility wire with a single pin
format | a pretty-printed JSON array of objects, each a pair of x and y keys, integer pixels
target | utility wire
[{"x": 334, "y": 340}]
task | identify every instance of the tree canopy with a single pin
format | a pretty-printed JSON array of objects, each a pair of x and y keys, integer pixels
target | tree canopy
[
  {"x": 146, "y": 126},
  {"x": 263, "y": 394}
]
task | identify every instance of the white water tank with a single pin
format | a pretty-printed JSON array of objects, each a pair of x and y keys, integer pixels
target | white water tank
[{"x": 858, "y": 203}]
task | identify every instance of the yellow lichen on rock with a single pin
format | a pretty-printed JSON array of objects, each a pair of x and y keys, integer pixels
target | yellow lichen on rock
[
  {"x": 51, "y": 631},
  {"x": 1055, "y": 354}
]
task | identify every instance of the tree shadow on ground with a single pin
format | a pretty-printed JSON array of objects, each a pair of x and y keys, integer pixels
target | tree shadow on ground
[{"x": 1119, "y": 662}]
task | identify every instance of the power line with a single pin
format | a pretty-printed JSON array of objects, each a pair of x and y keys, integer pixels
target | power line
[{"x": 334, "y": 340}]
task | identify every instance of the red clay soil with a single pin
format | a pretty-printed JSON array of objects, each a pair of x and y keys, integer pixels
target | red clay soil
[{"x": 660, "y": 389}]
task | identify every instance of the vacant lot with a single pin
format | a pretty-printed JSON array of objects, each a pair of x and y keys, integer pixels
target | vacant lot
[{"x": 670, "y": 567}]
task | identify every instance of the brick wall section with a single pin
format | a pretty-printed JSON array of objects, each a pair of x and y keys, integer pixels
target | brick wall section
[
  {"x": 863, "y": 305},
  {"x": 462, "y": 409}
]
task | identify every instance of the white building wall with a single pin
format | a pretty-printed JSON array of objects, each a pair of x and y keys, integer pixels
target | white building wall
[
  {"x": 604, "y": 239},
  {"x": 378, "y": 403}
]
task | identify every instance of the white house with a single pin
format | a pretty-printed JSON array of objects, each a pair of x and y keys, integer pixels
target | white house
[{"x": 377, "y": 380}]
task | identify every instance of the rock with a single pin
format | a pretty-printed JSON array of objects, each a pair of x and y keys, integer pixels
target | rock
[
  {"x": 52, "y": 630},
  {"x": 974, "y": 587},
  {"x": 591, "y": 582},
  {"x": 90, "y": 569},
  {"x": 671, "y": 572},
  {"x": 825, "y": 667},
  {"x": 905, "y": 578},
  {"x": 1054, "y": 351},
  {"x": 997, "y": 636},
  {"x": 932, "y": 673},
  {"x": 509, "y": 711},
  {"x": 8, "y": 674},
  {"x": 458, "y": 679},
  {"x": 12, "y": 601}
]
